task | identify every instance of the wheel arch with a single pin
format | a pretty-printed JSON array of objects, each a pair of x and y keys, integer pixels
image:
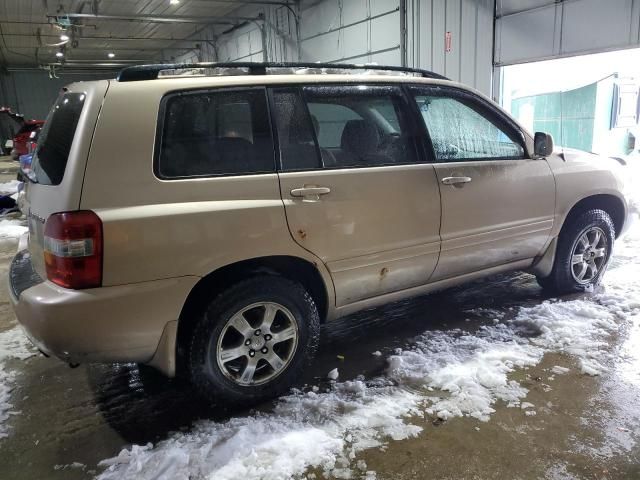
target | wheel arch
[
  {"x": 293, "y": 268},
  {"x": 609, "y": 203}
]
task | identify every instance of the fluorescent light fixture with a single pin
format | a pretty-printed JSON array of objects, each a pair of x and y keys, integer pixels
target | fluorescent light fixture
[
  {"x": 111, "y": 54},
  {"x": 174, "y": 2},
  {"x": 64, "y": 38},
  {"x": 59, "y": 54}
]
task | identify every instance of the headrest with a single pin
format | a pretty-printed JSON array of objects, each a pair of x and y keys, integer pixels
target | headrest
[{"x": 360, "y": 137}]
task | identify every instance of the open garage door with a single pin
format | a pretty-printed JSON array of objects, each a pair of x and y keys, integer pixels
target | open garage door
[{"x": 533, "y": 30}]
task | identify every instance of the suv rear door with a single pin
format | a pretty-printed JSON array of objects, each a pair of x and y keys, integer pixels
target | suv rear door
[
  {"x": 60, "y": 158},
  {"x": 355, "y": 191},
  {"x": 497, "y": 202}
]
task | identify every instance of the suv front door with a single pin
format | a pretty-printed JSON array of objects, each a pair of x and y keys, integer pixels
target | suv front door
[
  {"x": 497, "y": 202},
  {"x": 354, "y": 190}
]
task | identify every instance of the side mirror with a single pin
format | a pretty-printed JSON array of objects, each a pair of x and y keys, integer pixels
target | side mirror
[{"x": 542, "y": 145}]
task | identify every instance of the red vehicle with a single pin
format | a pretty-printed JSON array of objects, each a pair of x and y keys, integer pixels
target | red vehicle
[{"x": 22, "y": 138}]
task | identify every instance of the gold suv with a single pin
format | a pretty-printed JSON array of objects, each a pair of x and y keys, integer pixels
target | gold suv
[{"x": 206, "y": 219}]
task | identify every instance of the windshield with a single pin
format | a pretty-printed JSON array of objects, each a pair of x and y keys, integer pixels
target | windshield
[{"x": 56, "y": 137}]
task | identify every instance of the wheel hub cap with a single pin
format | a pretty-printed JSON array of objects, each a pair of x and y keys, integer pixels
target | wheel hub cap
[
  {"x": 257, "y": 343},
  {"x": 590, "y": 252}
]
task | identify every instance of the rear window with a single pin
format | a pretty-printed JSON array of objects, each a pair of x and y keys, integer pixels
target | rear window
[
  {"x": 214, "y": 133},
  {"x": 54, "y": 143}
]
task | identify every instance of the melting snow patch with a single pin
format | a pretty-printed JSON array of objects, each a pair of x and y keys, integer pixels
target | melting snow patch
[
  {"x": 558, "y": 370},
  {"x": 12, "y": 229},
  {"x": 13, "y": 344},
  {"x": 9, "y": 188},
  {"x": 306, "y": 429}
]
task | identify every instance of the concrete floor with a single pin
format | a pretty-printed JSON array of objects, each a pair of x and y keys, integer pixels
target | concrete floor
[{"x": 587, "y": 427}]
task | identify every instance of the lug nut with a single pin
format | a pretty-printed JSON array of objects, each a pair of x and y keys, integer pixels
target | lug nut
[
  {"x": 258, "y": 332},
  {"x": 268, "y": 337},
  {"x": 264, "y": 350},
  {"x": 248, "y": 342},
  {"x": 252, "y": 353}
]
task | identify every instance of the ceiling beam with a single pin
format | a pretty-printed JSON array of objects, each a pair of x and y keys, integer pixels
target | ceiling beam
[
  {"x": 105, "y": 37},
  {"x": 156, "y": 19}
]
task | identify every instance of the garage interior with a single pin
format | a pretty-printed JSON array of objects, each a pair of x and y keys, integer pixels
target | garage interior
[{"x": 568, "y": 67}]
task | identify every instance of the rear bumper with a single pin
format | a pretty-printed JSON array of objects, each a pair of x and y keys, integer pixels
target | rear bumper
[{"x": 110, "y": 324}]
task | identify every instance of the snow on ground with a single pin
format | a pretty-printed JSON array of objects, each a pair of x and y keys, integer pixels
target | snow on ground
[
  {"x": 9, "y": 188},
  {"x": 12, "y": 229},
  {"x": 13, "y": 344},
  {"x": 444, "y": 374}
]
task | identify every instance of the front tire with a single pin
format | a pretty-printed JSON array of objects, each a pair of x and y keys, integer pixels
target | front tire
[
  {"x": 584, "y": 249},
  {"x": 254, "y": 341}
]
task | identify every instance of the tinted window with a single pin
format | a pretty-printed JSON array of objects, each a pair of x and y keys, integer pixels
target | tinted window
[
  {"x": 215, "y": 133},
  {"x": 296, "y": 137},
  {"x": 360, "y": 125},
  {"x": 459, "y": 132},
  {"x": 51, "y": 155}
]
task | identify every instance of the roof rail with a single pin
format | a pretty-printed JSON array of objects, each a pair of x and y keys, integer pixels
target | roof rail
[{"x": 151, "y": 72}]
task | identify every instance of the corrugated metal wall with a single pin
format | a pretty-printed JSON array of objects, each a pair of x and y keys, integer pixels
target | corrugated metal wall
[
  {"x": 454, "y": 38},
  {"x": 530, "y": 30},
  {"x": 32, "y": 92},
  {"x": 355, "y": 31},
  {"x": 365, "y": 31}
]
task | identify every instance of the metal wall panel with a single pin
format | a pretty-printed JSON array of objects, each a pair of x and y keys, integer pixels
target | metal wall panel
[
  {"x": 359, "y": 31},
  {"x": 470, "y": 26},
  {"x": 571, "y": 27}
]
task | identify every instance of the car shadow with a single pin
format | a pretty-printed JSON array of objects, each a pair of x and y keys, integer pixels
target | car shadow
[{"x": 142, "y": 405}]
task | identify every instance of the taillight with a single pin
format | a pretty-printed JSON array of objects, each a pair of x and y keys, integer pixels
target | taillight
[{"x": 73, "y": 249}]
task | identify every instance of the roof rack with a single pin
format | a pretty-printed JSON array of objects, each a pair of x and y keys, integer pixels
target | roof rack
[{"x": 151, "y": 72}]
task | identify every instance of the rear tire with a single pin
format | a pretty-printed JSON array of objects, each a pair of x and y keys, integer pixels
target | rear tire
[
  {"x": 584, "y": 249},
  {"x": 253, "y": 341}
]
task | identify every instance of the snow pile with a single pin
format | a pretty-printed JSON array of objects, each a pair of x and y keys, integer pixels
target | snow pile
[
  {"x": 324, "y": 430},
  {"x": 12, "y": 229},
  {"x": 13, "y": 344},
  {"x": 579, "y": 328},
  {"x": 471, "y": 367},
  {"x": 9, "y": 188}
]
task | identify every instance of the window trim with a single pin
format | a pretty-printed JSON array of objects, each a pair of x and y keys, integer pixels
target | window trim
[
  {"x": 485, "y": 108},
  {"x": 157, "y": 147},
  {"x": 414, "y": 129}
]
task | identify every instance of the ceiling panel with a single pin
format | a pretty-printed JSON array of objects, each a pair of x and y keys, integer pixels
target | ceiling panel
[{"x": 21, "y": 20}]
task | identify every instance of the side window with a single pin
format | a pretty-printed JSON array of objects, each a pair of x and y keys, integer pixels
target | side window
[
  {"x": 460, "y": 132},
  {"x": 298, "y": 149},
  {"x": 215, "y": 133},
  {"x": 360, "y": 126}
]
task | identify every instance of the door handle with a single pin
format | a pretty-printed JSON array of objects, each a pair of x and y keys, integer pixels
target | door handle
[
  {"x": 455, "y": 180},
  {"x": 310, "y": 192}
]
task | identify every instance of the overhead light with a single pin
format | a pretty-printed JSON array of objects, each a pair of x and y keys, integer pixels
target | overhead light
[
  {"x": 174, "y": 2},
  {"x": 111, "y": 54},
  {"x": 64, "y": 38},
  {"x": 59, "y": 54}
]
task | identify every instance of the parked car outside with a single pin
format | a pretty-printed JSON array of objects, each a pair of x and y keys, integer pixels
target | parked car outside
[
  {"x": 23, "y": 137},
  {"x": 10, "y": 123},
  {"x": 243, "y": 211}
]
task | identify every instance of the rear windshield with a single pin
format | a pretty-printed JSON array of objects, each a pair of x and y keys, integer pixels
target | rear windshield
[{"x": 56, "y": 137}]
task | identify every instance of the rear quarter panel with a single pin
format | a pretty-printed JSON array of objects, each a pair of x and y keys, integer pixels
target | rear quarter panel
[{"x": 155, "y": 228}]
